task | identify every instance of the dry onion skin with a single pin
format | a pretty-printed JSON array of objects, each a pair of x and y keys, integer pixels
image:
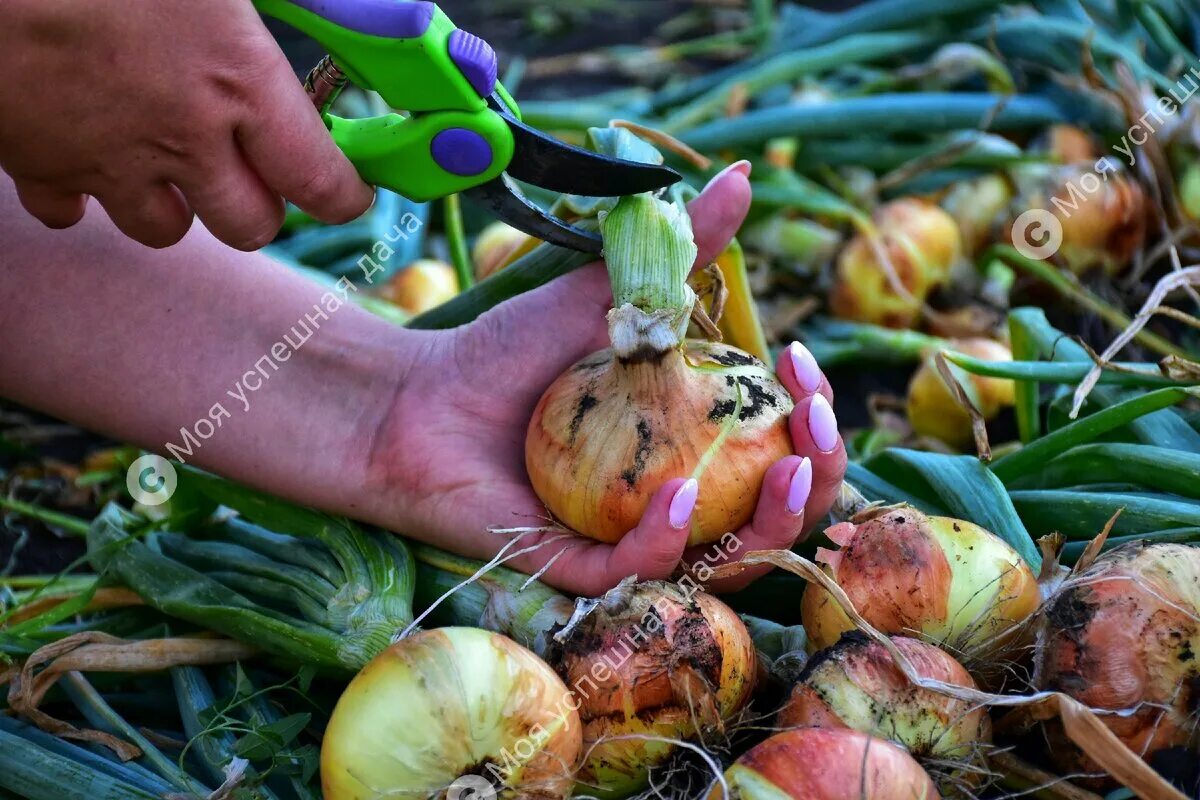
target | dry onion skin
[
  {"x": 1124, "y": 635},
  {"x": 934, "y": 411},
  {"x": 448, "y": 703},
  {"x": 856, "y": 684},
  {"x": 922, "y": 243},
  {"x": 613, "y": 428},
  {"x": 938, "y": 579},
  {"x": 651, "y": 663},
  {"x": 826, "y": 764}
]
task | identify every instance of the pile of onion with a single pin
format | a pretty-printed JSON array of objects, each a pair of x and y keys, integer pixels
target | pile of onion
[
  {"x": 1124, "y": 635},
  {"x": 922, "y": 244},
  {"x": 934, "y": 411},
  {"x": 826, "y": 764},
  {"x": 452, "y": 709},
  {"x": 934, "y": 578},
  {"x": 617, "y": 425},
  {"x": 856, "y": 684}
]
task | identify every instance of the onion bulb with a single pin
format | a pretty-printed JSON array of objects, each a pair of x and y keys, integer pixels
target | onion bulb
[
  {"x": 493, "y": 246},
  {"x": 922, "y": 243},
  {"x": 856, "y": 684},
  {"x": 1070, "y": 144},
  {"x": 979, "y": 207},
  {"x": 652, "y": 663},
  {"x": 933, "y": 409},
  {"x": 1189, "y": 190},
  {"x": 447, "y": 705},
  {"x": 422, "y": 285},
  {"x": 934, "y": 578},
  {"x": 613, "y": 428},
  {"x": 1124, "y": 635},
  {"x": 826, "y": 764}
]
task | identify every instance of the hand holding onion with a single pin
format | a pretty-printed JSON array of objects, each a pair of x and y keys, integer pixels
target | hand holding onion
[{"x": 462, "y": 468}]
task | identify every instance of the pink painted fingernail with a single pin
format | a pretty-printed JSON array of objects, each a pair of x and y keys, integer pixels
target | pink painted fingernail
[
  {"x": 682, "y": 504},
  {"x": 799, "y": 488},
  {"x": 822, "y": 424},
  {"x": 742, "y": 166},
  {"x": 808, "y": 374}
]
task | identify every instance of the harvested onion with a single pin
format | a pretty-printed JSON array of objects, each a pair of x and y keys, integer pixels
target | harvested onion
[
  {"x": 422, "y": 285},
  {"x": 922, "y": 243},
  {"x": 617, "y": 425},
  {"x": 1124, "y": 635},
  {"x": 826, "y": 764},
  {"x": 447, "y": 705},
  {"x": 933, "y": 409},
  {"x": 493, "y": 246},
  {"x": 935, "y": 578},
  {"x": 856, "y": 684},
  {"x": 979, "y": 207}
]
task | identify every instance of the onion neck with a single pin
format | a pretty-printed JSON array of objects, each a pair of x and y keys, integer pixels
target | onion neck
[{"x": 649, "y": 251}]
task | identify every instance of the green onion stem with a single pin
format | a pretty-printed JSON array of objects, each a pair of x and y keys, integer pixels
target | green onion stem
[
  {"x": 1133, "y": 374},
  {"x": 30, "y": 770},
  {"x": 1162, "y": 34},
  {"x": 1073, "y": 550},
  {"x": 66, "y": 522},
  {"x": 456, "y": 236}
]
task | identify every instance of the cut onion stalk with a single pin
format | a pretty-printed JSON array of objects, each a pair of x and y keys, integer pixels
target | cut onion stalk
[
  {"x": 649, "y": 663},
  {"x": 447, "y": 709},
  {"x": 933, "y": 409},
  {"x": 826, "y": 764},
  {"x": 856, "y": 684},
  {"x": 1124, "y": 635},
  {"x": 612, "y": 429},
  {"x": 938, "y": 579}
]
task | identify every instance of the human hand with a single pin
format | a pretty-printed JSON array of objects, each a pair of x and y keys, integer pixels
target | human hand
[
  {"x": 449, "y": 460},
  {"x": 163, "y": 110}
]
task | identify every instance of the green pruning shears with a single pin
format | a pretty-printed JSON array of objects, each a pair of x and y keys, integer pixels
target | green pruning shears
[{"x": 463, "y": 132}]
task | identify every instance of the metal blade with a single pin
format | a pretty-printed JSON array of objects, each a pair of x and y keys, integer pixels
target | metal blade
[
  {"x": 502, "y": 197},
  {"x": 544, "y": 161}
]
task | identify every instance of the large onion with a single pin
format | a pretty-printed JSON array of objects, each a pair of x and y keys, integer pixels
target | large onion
[
  {"x": 1125, "y": 636},
  {"x": 452, "y": 708},
  {"x": 826, "y": 764},
  {"x": 856, "y": 684},
  {"x": 617, "y": 425},
  {"x": 935, "y": 578},
  {"x": 651, "y": 663}
]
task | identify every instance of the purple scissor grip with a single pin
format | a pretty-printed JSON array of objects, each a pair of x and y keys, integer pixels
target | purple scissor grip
[
  {"x": 475, "y": 59},
  {"x": 394, "y": 19},
  {"x": 461, "y": 152}
]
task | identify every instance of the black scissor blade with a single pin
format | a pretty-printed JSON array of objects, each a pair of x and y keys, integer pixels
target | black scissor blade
[
  {"x": 502, "y": 197},
  {"x": 544, "y": 161}
]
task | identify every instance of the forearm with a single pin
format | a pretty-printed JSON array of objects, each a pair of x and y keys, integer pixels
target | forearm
[{"x": 141, "y": 344}]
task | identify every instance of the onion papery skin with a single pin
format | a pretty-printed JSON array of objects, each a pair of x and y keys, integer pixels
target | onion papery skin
[
  {"x": 446, "y": 703},
  {"x": 1125, "y": 634},
  {"x": 922, "y": 243},
  {"x": 651, "y": 660},
  {"x": 826, "y": 764},
  {"x": 856, "y": 684},
  {"x": 610, "y": 431},
  {"x": 937, "y": 579},
  {"x": 932, "y": 407}
]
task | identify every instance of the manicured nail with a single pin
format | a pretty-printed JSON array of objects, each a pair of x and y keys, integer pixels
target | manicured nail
[
  {"x": 808, "y": 374},
  {"x": 799, "y": 488},
  {"x": 682, "y": 504},
  {"x": 742, "y": 166},
  {"x": 822, "y": 424}
]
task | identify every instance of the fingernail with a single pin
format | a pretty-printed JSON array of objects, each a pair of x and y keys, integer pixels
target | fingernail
[
  {"x": 682, "y": 504},
  {"x": 808, "y": 374},
  {"x": 799, "y": 488},
  {"x": 822, "y": 424},
  {"x": 742, "y": 166}
]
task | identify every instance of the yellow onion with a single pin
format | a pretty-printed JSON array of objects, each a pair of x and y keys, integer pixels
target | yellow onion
[
  {"x": 922, "y": 243},
  {"x": 1069, "y": 144},
  {"x": 934, "y": 578},
  {"x": 1124, "y": 635},
  {"x": 613, "y": 428},
  {"x": 452, "y": 708},
  {"x": 979, "y": 208},
  {"x": 422, "y": 285},
  {"x": 1101, "y": 230},
  {"x": 493, "y": 246},
  {"x": 651, "y": 662},
  {"x": 856, "y": 684},
  {"x": 826, "y": 764},
  {"x": 933, "y": 409}
]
